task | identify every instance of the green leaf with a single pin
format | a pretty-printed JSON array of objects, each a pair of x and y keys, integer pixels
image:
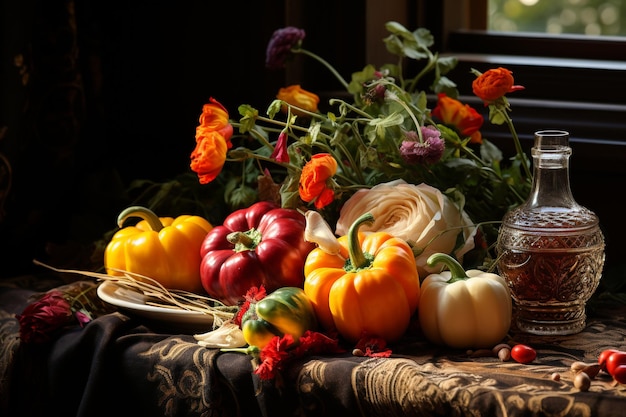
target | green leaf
[
  {"x": 424, "y": 38},
  {"x": 445, "y": 85},
  {"x": 249, "y": 115},
  {"x": 446, "y": 64},
  {"x": 239, "y": 196},
  {"x": 490, "y": 152},
  {"x": 495, "y": 115},
  {"x": 274, "y": 108},
  {"x": 360, "y": 78}
]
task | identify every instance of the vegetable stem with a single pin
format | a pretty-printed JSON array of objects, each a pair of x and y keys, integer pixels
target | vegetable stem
[
  {"x": 357, "y": 257},
  {"x": 241, "y": 240},
  {"x": 144, "y": 213},
  {"x": 456, "y": 270}
]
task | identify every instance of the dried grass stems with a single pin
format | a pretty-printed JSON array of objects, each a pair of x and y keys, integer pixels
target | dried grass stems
[{"x": 155, "y": 294}]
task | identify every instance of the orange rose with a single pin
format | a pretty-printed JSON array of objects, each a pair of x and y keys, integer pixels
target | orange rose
[
  {"x": 209, "y": 156},
  {"x": 212, "y": 142},
  {"x": 465, "y": 119},
  {"x": 493, "y": 84},
  {"x": 299, "y": 97},
  {"x": 313, "y": 179}
]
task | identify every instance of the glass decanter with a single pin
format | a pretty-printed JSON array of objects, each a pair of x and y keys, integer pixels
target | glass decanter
[{"x": 550, "y": 249}]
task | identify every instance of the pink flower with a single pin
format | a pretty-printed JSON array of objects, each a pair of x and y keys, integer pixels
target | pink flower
[
  {"x": 427, "y": 152},
  {"x": 280, "y": 150},
  {"x": 83, "y": 317}
]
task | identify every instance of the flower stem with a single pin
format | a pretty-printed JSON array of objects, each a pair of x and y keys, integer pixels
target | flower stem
[
  {"x": 394, "y": 97},
  {"x": 424, "y": 71},
  {"x": 356, "y": 110},
  {"x": 470, "y": 152},
  {"x": 323, "y": 62},
  {"x": 518, "y": 145}
]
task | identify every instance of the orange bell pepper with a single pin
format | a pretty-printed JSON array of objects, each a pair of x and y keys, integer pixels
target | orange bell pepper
[{"x": 370, "y": 288}]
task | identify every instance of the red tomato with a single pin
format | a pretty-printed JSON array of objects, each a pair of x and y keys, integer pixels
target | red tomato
[
  {"x": 523, "y": 353},
  {"x": 604, "y": 355},
  {"x": 614, "y": 360},
  {"x": 619, "y": 374}
]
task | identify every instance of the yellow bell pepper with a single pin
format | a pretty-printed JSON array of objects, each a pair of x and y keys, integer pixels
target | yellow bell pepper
[
  {"x": 464, "y": 309},
  {"x": 369, "y": 288},
  {"x": 164, "y": 249}
]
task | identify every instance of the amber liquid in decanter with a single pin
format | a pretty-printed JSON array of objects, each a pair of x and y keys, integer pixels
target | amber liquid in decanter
[{"x": 550, "y": 249}]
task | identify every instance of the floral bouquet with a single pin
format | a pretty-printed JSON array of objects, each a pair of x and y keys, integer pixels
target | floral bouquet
[{"x": 427, "y": 175}]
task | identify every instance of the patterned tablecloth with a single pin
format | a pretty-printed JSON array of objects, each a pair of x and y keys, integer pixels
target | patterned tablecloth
[{"x": 123, "y": 365}]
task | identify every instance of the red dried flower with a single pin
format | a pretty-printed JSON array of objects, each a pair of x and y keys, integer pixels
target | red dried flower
[
  {"x": 273, "y": 356},
  {"x": 374, "y": 347},
  {"x": 41, "y": 319},
  {"x": 315, "y": 342},
  {"x": 280, "y": 350},
  {"x": 253, "y": 295}
]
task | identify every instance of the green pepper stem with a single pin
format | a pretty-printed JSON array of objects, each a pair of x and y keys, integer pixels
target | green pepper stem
[
  {"x": 146, "y": 214},
  {"x": 357, "y": 257},
  {"x": 456, "y": 270},
  {"x": 239, "y": 238}
]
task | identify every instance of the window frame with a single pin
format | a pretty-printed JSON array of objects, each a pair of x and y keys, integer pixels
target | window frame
[{"x": 564, "y": 74}]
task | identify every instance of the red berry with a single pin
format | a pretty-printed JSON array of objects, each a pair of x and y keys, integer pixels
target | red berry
[
  {"x": 619, "y": 374},
  {"x": 604, "y": 355},
  {"x": 523, "y": 353},
  {"x": 614, "y": 360}
]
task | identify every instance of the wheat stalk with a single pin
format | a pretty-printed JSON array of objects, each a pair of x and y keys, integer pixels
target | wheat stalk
[{"x": 157, "y": 295}]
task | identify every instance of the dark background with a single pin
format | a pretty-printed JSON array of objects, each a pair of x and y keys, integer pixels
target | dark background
[
  {"x": 106, "y": 92},
  {"x": 96, "y": 94}
]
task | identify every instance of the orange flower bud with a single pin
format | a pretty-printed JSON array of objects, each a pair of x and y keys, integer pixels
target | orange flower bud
[
  {"x": 313, "y": 179},
  {"x": 493, "y": 84},
  {"x": 299, "y": 97}
]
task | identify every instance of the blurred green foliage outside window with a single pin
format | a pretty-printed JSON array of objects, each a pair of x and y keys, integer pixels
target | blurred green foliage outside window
[{"x": 581, "y": 17}]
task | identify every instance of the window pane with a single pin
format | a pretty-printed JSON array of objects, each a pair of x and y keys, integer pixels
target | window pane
[{"x": 583, "y": 17}]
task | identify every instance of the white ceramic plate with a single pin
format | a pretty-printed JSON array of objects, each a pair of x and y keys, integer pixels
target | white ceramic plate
[{"x": 134, "y": 302}]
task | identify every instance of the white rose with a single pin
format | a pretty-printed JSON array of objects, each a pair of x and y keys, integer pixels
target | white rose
[{"x": 420, "y": 214}]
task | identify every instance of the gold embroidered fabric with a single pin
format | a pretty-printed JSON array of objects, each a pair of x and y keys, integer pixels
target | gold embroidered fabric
[{"x": 123, "y": 365}]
